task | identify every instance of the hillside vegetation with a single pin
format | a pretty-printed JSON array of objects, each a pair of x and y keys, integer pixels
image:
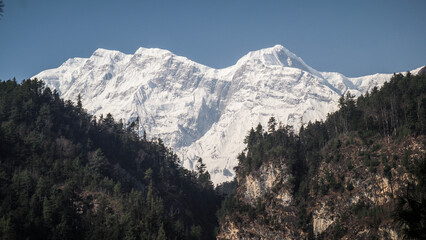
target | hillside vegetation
[
  {"x": 65, "y": 174},
  {"x": 359, "y": 174}
]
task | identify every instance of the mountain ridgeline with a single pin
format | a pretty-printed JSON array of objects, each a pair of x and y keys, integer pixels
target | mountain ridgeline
[
  {"x": 200, "y": 111},
  {"x": 360, "y": 174},
  {"x": 65, "y": 174}
]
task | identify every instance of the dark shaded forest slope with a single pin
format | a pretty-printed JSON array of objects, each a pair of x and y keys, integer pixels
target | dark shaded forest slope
[{"x": 65, "y": 174}]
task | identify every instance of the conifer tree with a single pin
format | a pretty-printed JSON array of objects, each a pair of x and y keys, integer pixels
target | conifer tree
[
  {"x": 272, "y": 123},
  {"x": 161, "y": 234},
  {"x": 1, "y": 7}
]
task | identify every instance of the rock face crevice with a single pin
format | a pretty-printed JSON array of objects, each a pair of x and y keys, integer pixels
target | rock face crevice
[
  {"x": 269, "y": 182},
  {"x": 260, "y": 184}
]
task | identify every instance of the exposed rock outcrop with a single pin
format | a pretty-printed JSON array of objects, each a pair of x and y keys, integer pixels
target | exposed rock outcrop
[{"x": 354, "y": 202}]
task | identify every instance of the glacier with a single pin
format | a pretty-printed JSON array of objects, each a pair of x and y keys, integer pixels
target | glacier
[{"x": 199, "y": 111}]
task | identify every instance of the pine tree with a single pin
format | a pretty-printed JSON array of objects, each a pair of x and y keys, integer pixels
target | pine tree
[
  {"x": 79, "y": 104},
  {"x": 201, "y": 167},
  {"x": 272, "y": 124},
  {"x": 250, "y": 139},
  {"x": 161, "y": 233}
]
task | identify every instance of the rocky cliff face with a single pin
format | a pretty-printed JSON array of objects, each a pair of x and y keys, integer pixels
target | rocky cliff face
[
  {"x": 359, "y": 192},
  {"x": 267, "y": 194},
  {"x": 351, "y": 196}
]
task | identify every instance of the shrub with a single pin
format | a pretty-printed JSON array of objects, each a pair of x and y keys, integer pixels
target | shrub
[{"x": 349, "y": 186}]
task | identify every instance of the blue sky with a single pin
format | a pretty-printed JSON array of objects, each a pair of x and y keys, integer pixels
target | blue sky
[{"x": 352, "y": 37}]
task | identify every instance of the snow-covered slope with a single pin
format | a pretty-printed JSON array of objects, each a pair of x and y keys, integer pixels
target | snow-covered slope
[{"x": 200, "y": 111}]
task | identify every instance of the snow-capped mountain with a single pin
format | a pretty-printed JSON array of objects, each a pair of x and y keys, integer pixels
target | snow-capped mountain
[{"x": 201, "y": 111}]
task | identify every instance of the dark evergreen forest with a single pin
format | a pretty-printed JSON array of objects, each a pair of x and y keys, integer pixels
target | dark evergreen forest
[{"x": 65, "y": 174}]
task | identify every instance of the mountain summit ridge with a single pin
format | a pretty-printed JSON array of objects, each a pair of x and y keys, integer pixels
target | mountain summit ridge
[
  {"x": 278, "y": 55},
  {"x": 201, "y": 111}
]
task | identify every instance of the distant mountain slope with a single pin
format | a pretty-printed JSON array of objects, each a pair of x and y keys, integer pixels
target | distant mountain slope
[{"x": 200, "y": 111}]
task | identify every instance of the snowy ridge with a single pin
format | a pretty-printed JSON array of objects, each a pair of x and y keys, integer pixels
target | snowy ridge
[{"x": 201, "y": 111}]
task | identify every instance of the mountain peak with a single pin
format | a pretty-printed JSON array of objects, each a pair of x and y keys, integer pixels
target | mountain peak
[
  {"x": 102, "y": 52},
  {"x": 277, "y": 55},
  {"x": 152, "y": 52},
  {"x": 106, "y": 56},
  {"x": 278, "y": 47}
]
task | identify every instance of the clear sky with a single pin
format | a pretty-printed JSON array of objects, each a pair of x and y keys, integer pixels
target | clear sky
[{"x": 352, "y": 37}]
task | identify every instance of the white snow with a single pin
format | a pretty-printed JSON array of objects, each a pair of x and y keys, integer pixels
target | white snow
[{"x": 200, "y": 111}]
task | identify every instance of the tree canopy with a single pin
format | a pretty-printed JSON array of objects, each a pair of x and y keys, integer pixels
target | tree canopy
[{"x": 65, "y": 174}]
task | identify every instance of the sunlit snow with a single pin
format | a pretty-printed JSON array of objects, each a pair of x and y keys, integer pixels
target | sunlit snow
[{"x": 200, "y": 111}]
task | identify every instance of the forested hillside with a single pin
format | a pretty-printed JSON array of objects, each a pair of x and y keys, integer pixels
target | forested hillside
[
  {"x": 67, "y": 175},
  {"x": 360, "y": 174}
]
